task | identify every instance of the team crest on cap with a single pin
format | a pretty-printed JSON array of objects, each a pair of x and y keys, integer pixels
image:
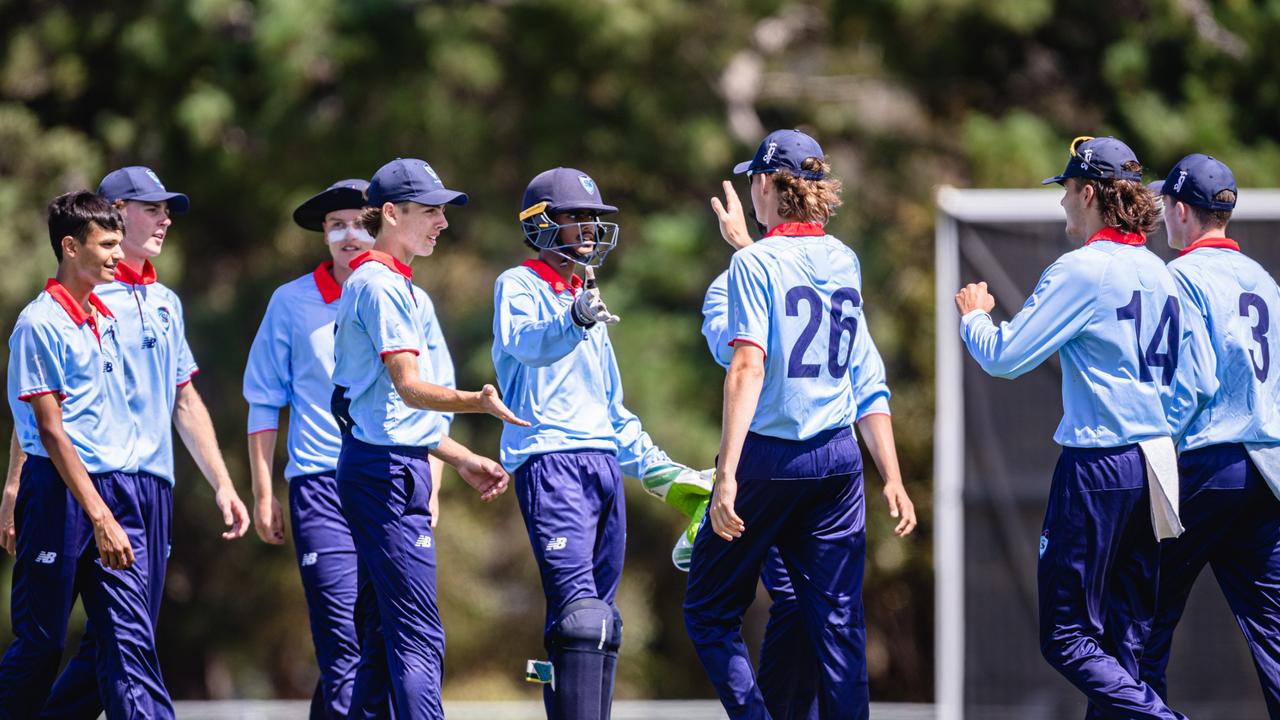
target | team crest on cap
[
  {"x": 587, "y": 184},
  {"x": 431, "y": 172},
  {"x": 768, "y": 154},
  {"x": 155, "y": 178},
  {"x": 1182, "y": 177}
]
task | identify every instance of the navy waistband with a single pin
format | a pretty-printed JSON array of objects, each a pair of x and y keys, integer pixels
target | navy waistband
[{"x": 830, "y": 452}]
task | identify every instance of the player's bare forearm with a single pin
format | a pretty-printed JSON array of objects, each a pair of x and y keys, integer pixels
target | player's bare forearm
[
  {"x": 417, "y": 393},
  {"x": 9, "y": 499},
  {"x": 262, "y": 447},
  {"x": 741, "y": 395},
  {"x": 437, "y": 476},
  {"x": 195, "y": 427},
  {"x": 877, "y": 432},
  {"x": 451, "y": 451},
  {"x": 484, "y": 475},
  {"x": 13, "y": 477}
]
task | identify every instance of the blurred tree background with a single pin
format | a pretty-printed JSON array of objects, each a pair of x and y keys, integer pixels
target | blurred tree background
[{"x": 250, "y": 107}]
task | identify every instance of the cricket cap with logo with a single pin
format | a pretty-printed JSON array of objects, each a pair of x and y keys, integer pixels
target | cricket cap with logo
[
  {"x": 342, "y": 195},
  {"x": 563, "y": 189},
  {"x": 784, "y": 150},
  {"x": 410, "y": 180},
  {"x": 1101, "y": 158},
  {"x": 141, "y": 184},
  {"x": 1196, "y": 180}
]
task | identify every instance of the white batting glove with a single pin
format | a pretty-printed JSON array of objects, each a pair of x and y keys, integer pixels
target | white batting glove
[{"x": 588, "y": 308}]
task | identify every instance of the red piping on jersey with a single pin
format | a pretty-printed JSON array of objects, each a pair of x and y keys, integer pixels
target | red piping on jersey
[
  {"x": 1211, "y": 242},
  {"x": 264, "y": 430},
  {"x": 328, "y": 285},
  {"x": 380, "y": 257},
  {"x": 27, "y": 398},
  {"x": 190, "y": 377},
  {"x": 548, "y": 273},
  {"x": 73, "y": 309},
  {"x": 385, "y": 353},
  {"x": 797, "y": 230},
  {"x": 126, "y": 274},
  {"x": 1116, "y": 235},
  {"x": 749, "y": 342}
]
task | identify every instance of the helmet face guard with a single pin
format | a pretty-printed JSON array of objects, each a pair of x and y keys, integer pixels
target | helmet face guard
[{"x": 544, "y": 233}]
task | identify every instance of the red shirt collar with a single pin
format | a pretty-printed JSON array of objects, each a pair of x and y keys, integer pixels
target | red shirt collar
[
  {"x": 546, "y": 272},
  {"x": 328, "y": 285},
  {"x": 797, "y": 230},
  {"x": 73, "y": 309},
  {"x": 126, "y": 274},
  {"x": 1213, "y": 242},
  {"x": 1111, "y": 234},
  {"x": 380, "y": 257}
]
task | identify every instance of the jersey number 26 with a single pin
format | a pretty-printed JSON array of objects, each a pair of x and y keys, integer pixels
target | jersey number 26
[{"x": 840, "y": 324}]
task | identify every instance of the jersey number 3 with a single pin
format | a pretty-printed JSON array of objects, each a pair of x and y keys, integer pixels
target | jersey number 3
[
  {"x": 840, "y": 324},
  {"x": 1259, "y": 331},
  {"x": 1167, "y": 329}
]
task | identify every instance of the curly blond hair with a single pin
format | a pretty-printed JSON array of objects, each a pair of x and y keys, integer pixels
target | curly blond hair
[{"x": 804, "y": 200}]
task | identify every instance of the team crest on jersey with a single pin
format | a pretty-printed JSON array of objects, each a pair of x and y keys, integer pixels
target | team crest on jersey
[
  {"x": 587, "y": 184},
  {"x": 166, "y": 318},
  {"x": 1044, "y": 542}
]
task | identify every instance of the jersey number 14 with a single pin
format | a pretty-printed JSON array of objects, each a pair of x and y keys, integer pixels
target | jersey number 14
[{"x": 1167, "y": 329}]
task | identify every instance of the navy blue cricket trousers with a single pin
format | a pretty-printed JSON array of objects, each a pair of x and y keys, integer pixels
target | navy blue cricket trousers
[
  {"x": 384, "y": 493},
  {"x": 1232, "y": 522},
  {"x": 788, "y": 673},
  {"x": 57, "y": 559},
  {"x": 806, "y": 498},
  {"x": 1097, "y": 579},
  {"x": 575, "y": 513},
  {"x": 327, "y": 563}
]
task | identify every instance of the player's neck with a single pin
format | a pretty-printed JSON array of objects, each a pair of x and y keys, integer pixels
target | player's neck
[
  {"x": 400, "y": 251},
  {"x": 559, "y": 264},
  {"x": 75, "y": 285},
  {"x": 135, "y": 262},
  {"x": 341, "y": 271},
  {"x": 1215, "y": 233}
]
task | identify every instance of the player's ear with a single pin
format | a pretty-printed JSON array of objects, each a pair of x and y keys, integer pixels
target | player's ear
[
  {"x": 390, "y": 213},
  {"x": 69, "y": 246}
]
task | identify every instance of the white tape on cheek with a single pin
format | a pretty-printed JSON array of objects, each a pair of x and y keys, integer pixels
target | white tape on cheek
[{"x": 341, "y": 235}]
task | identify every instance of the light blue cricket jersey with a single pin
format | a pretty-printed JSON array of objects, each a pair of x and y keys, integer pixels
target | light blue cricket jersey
[
  {"x": 382, "y": 312},
  {"x": 1239, "y": 302},
  {"x": 56, "y": 347},
  {"x": 870, "y": 390},
  {"x": 291, "y": 364},
  {"x": 561, "y": 378},
  {"x": 156, "y": 357},
  {"x": 797, "y": 295},
  {"x": 1129, "y": 362}
]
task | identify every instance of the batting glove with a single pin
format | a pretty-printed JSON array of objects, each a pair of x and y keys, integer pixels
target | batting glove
[{"x": 588, "y": 309}]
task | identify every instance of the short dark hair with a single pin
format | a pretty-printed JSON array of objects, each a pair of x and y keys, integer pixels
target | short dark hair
[
  {"x": 75, "y": 213},
  {"x": 1215, "y": 219}
]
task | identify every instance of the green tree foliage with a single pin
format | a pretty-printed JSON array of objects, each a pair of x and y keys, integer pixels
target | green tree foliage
[{"x": 250, "y": 107}]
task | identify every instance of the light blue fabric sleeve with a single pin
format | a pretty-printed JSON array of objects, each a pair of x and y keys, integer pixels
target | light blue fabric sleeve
[
  {"x": 1061, "y": 305},
  {"x": 748, "y": 291},
  {"x": 35, "y": 361},
  {"x": 268, "y": 377},
  {"x": 715, "y": 320},
  {"x": 387, "y": 315},
  {"x": 870, "y": 387},
  {"x": 1196, "y": 379},
  {"x": 518, "y": 331},
  {"x": 636, "y": 450}
]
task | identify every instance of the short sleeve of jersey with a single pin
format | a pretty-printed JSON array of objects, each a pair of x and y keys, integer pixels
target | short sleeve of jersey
[
  {"x": 35, "y": 361},
  {"x": 748, "y": 300},
  {"x": 267, "y": 375},
  {"x": 186, "y": 366},
  {"x": 386, "y": 311},
  {"x": 715, "y": 319}
]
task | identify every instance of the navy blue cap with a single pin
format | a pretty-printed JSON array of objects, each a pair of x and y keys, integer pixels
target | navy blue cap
[
  {"x": 342, "y": 195},
  {"x": 410, "y": 180},
  {"x": 140, "y": 183},
  {"x": 563, "y": 189},
  {"x": 783, "y": 149},
  {"x": 1098, "y": 159},
  {"x": 1196, "y": 179}
]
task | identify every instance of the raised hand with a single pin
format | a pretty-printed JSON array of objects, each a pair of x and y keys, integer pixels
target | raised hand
[{"x": 733, "y": 222}]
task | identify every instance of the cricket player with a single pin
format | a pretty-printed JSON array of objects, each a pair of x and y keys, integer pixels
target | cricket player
[
  {"x": 291, "y": 365},
  {"x": 557, "y": 368},
  {"x": 789, "y": 474},
  {"x": 1228, "y": 456},
  {"x": 1111, "y": 311},
  {"x": 159, "y": 369},
  {"x": 383, "y": 381},
  {"x": 83, "y": 508}
]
